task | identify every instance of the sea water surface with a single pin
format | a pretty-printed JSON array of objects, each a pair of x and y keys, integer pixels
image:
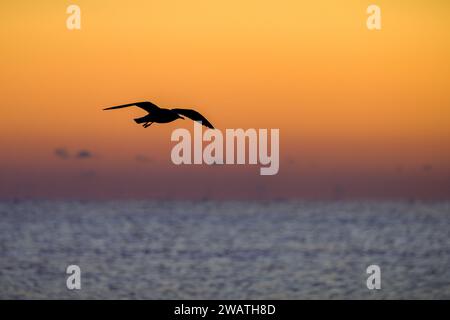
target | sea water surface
[{"x": 224, "y": 250}]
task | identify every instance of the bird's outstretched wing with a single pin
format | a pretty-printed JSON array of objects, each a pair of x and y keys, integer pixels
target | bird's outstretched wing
[
  {"x": 194, "y": 115},
  {"x": 147, "y": 106}
]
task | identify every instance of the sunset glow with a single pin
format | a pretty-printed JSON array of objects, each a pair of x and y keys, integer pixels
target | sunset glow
[{"x": 361, "y": 114}]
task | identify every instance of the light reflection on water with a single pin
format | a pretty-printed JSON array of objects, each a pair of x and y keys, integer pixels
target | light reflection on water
[{"x": 224, "y": 250}]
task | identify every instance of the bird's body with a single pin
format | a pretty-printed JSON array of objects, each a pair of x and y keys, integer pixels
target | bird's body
[{"x": 161, "y": 115}]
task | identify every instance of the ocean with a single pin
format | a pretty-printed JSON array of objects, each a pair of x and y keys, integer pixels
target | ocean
[{"x": 224, "y": 250}]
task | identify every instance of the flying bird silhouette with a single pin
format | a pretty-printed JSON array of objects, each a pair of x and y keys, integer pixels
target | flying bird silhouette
[{"x": 161, "y": 115}]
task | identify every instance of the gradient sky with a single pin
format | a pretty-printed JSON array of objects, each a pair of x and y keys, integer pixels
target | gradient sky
[{"x": 362, "y": 114}]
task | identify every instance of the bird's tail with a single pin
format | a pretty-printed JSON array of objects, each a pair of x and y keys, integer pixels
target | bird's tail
[{"x": 140, "y": 120}]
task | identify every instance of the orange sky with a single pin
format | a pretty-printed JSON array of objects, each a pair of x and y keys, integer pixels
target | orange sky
[{"x": 361, "y": 113}]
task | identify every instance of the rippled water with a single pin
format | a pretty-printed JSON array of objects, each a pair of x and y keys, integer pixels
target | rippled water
[{"x": 224, "y": 250}]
